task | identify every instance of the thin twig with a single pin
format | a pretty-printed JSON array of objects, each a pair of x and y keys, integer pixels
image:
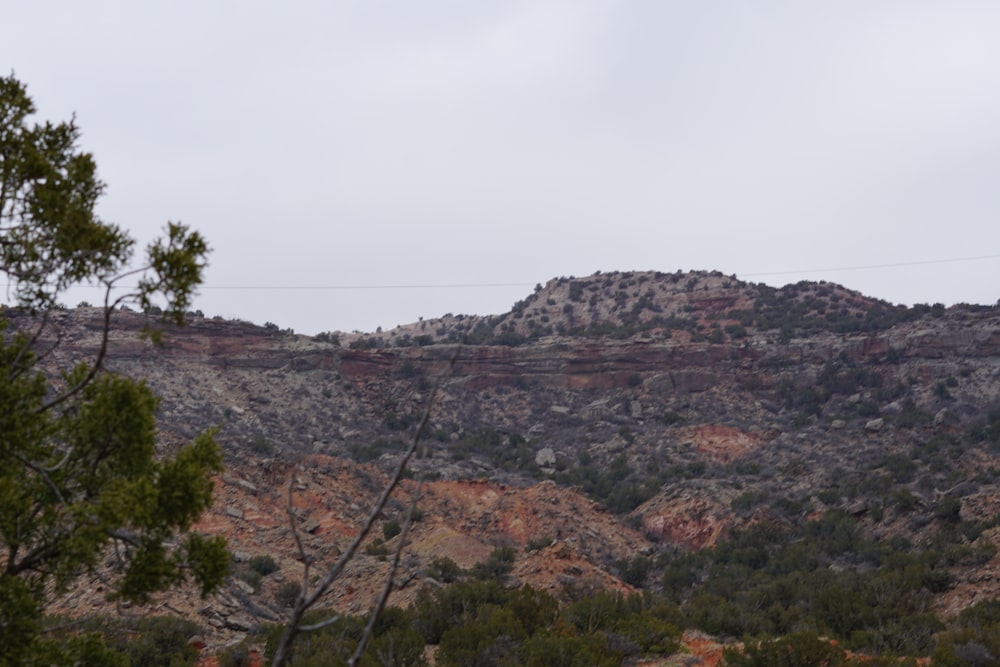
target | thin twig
[
  {"x": 292, "y": 520},
  {"x": 109, "y": 308},
  {"x": 17, "y": 368},
  {"x": 322, "y": 624},
  {"x": 303, "y": 555},
  {"x": 390, "y": 578},
  {"x": 306, "y": 601}
]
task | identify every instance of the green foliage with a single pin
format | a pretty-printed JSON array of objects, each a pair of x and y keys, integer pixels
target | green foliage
[
  {"x": 481, "y": 623},
  {"x": 157, "y": 641},
  {"x": 801, "y": 649},
  {"x": 975, "y": 640},
  {"x": 207, "y": 560},
  {"x": 261, "y": 446},
  {"x": 79, "y": 649},
  {"x": 901, "y": 468},
  {"x": 844, "y": 377},
  {"x": 497, "y": 565},
  {"x": 508, "y": 451},
  {"x": 671, "y": 418},
  {"x": 243, "y": 654},
  {"x": 651, "y": 634},
  {"x": 20, "y": 614},
  {"x": 948, "y": 509},
  {"x": 538, "y": 543},
  {"x": 264, "y": 565},
  {"x": 287, "y": 593},
  {"x": 251, "y": 577},
  {"x": 801, "y": 310},
  {"x": 820, "y": 575},
  {"x": 84, "y": 470},
  {"x": 395, "y": 641},
  {"x": 377, "y": 548},
  {"x": 52, "y": 238},
  {"x": 737, "y": 331},
  {"x": 253, "y": 571},
  {"x": 454, "y": 605},
  {"x": 160, "y": 641},
  {"x": 569, "y": 651},
  {"x": 391, "y": 529},
  {"x": 981, "y": 615},
  {"x": 78, "y": 463},
  {"x": 600, "y": 611},
  {"x": 747, "y": 500},
  {"x": 328, "y": 337},
  {"x": 365, "y": 451},
  {"x": 634, "y": 571},
  {"x": 444, "y": 570},
  {"x": 489, "y": 639},
  {"x": 988, "y": 431},
  {"x": 370, "y": 343},
  {"x": 615, "y": 484}
]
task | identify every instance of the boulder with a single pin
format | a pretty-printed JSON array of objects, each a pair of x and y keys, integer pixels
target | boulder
[
  {"x": 875, "y": 425},
  {"x": 546, "y": 457}
]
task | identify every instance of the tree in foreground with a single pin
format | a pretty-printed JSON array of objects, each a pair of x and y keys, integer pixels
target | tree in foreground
[{"x": 81, "y": 484}]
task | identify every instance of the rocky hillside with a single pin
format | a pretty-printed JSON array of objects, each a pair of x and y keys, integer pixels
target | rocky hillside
[{"x": 601, "y": 420}]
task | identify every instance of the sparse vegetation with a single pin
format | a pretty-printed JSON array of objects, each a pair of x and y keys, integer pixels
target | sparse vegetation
[{"x": 863, "y": 470}]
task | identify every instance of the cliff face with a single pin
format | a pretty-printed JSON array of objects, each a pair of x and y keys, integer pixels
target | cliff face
[
  {"x": 616, "y": 415},
  {"x": 642, "y": 358}
]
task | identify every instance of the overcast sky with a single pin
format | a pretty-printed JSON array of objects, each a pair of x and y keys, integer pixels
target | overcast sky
[{"x": 326, "y": 149}]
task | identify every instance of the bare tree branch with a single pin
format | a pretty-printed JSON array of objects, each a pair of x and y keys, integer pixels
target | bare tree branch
[
  {"x": 397, "y": 556},
  {"x": 17, "y": 368},
  {"x": 322, "y": 624},
  {"x": 95, "y": 368},
  {"x": 306, "y": 600},
  {"x": 303, "y": 556}
]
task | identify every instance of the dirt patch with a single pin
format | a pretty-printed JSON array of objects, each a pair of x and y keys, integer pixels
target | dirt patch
[{"x": 721, "y": 443}]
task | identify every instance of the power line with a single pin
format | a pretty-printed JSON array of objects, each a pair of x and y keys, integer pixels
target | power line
[
  {"x": 320, "y": 287},
  {"x": 862, "y": 267},
  {"x": 347, "y": 287},
  {"x": 872, "y": 266},
  {"x": 391, "y": 286}
]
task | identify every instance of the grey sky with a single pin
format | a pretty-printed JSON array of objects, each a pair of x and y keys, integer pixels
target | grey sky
[{"x": 439, "y": 143}]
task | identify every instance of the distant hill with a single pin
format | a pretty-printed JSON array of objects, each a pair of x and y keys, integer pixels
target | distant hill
[{"x": 614, "y": 417}]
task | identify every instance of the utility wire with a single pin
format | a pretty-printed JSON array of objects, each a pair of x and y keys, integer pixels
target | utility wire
[
  {"x": 345, "y": 287},
  {"x": 872, "y": 266},
  {"x": 862, "y": 267}
]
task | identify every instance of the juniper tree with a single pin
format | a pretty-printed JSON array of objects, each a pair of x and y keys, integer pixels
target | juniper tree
[{"x": 81, "y": 483}]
